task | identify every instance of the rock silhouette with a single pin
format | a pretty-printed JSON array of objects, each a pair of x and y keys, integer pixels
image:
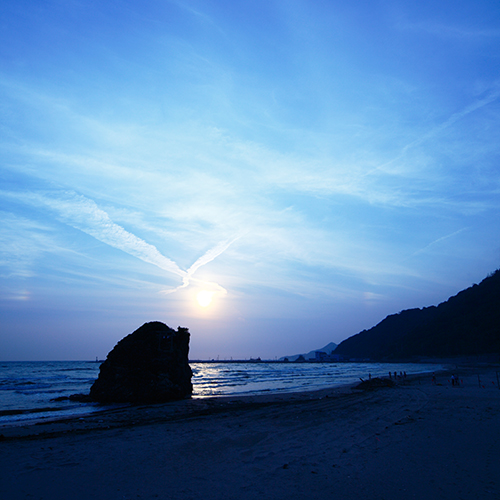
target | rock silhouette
[{"x": 148, "y": 366}]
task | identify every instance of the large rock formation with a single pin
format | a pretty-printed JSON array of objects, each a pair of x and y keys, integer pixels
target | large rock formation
[{"x": 147, "y": 366}]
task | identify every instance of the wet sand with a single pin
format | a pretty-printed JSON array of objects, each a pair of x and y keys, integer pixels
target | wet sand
[{"x": 416, "y": 440}]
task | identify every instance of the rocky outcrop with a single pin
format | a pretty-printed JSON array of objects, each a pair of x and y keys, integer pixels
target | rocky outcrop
[{"x": 148, "y": 366}]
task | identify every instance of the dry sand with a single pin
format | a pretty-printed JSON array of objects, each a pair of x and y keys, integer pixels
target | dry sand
[{"x": 413, "y": 441}]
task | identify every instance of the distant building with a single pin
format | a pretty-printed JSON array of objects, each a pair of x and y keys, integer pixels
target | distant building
[
  {"x": 321, "y": 356},
  {"x": 336, "y": 357}
]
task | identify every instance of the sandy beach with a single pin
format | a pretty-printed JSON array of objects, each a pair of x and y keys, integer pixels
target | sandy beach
[{"x": 417, "y": 440}]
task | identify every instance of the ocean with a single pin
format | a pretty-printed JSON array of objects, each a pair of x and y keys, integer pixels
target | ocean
[{"x": 27, "y": 389}]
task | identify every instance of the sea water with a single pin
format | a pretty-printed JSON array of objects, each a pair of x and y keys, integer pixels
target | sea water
[
  {"x": 226, "y": 379},
  {"x": 28, "y": 390}
]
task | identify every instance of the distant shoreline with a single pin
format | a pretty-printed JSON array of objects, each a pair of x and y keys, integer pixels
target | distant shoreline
[{"x": 467, "y": 361}]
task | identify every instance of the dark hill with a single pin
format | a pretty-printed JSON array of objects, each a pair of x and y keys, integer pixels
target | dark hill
[{"x": 467, "y": 324}]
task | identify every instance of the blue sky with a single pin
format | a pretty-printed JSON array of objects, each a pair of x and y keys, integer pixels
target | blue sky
[{"x": 312, "y": 166}]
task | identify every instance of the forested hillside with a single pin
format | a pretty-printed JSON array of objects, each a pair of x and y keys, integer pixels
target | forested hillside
[{"x": 467, "y": 324}]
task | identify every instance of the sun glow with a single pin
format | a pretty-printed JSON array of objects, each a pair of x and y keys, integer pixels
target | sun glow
[{"x": 204, "y": 298}]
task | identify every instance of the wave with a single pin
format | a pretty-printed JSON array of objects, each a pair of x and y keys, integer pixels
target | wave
[{"x": 27, "y": 388}]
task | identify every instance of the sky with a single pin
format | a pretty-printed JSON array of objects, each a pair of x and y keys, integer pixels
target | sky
[{"x": 273, "y": 175}]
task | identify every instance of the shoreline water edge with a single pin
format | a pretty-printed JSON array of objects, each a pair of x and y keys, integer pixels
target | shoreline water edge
[
  {"x": 423, "y": 437},
  {"x": 34, "y": 391}
]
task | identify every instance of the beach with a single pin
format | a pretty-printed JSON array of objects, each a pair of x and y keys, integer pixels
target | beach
[{"x": 418, "y": 440}]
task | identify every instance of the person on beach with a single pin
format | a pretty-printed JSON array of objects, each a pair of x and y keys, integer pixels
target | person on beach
[{"x": 433, "y": 379}]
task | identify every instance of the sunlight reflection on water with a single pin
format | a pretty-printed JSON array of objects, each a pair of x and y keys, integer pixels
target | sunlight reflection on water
[
  {"x": 32, "y": 386},
  {"x": 213, "y": 379}
]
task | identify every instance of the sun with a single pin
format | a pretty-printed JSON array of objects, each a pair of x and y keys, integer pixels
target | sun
[{"x": 204, "y": 298}]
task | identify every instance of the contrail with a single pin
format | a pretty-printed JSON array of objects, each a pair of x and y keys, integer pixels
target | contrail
[
  {"x": 84, "y": 214},
  {"x": 493, "y": 96},
  {"x": 453, "y": 119},
  {"x": 210, "y": 255},
  {"x": 432, "y": 243}
]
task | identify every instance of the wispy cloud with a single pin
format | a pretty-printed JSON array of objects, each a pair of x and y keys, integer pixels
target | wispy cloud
[
  {"x": 492, "y": 96},
  {"x": 215, "y": 170},
  {"x": 84, "y": 214},
  {"x": 22, "y": 241},
  {"x": 209, "y": 183}
]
